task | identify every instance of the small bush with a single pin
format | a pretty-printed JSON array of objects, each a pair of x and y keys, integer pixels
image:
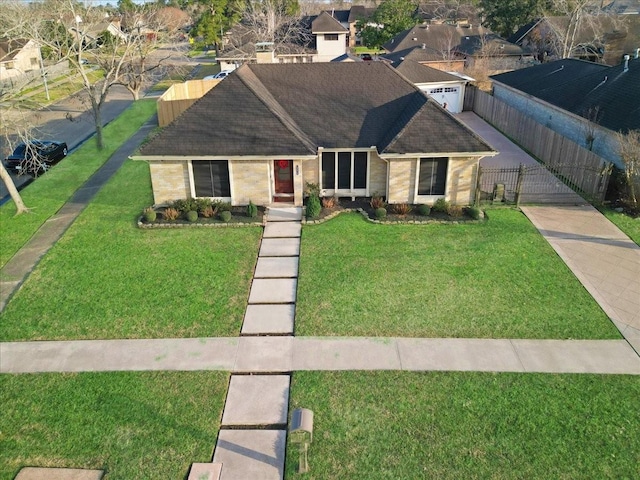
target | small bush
[
  {"x": 225, "y": 215},
  {"x": 252, "y": 210},
  {"x": 149, "y": 214},
  {"x": 171, "y": 213},
  {"x": 209, "y": 212},
  {"x": 221, "y": 206},
  {"x": 455, "y": 211},
  {"x": 203, "y": 204},
  {"x": 401, "y": 208},
  {"x": 381, "y": 213},
  {"x": 329, "y": 202},
  {"x": 377, "y": 202},
  {"x": 185, "y": 205},
  {"x": 424, "y": 210},
  {"x": 313, "y": 206},
  {"x": 312, "y": 189},
  {"x": 192, "y": 216},
  {"x": 474, "y": 212},
  {"x": 440, "y": 206}
]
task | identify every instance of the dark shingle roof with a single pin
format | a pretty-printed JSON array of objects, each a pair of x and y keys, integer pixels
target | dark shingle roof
[
  {"x": 584, "y": 88},
  {"x": 418, "y": 73},
  {"x": 293, "y": 109},
  {"x": 360, "y": 12},
  {"x": 10, "y": 48},
  {"x": 325, "y": 23}
]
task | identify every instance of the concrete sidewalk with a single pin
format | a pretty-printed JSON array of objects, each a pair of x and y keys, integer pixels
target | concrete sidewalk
[{"x": 287, "y": 354}]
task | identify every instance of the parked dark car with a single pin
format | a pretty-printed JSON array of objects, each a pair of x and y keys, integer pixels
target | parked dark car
[{"x": 36, "y": 157}]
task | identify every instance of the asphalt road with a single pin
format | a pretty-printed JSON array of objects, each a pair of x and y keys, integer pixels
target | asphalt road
[{"x": 71, "y": 121}]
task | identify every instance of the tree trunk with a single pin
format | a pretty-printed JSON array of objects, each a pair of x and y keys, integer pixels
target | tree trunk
[{"x": 13, "y": 191}]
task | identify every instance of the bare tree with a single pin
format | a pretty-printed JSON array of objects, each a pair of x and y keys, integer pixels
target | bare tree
[
  {"x": 277, "y": 21},
  {"x": 629, "y": 149}
]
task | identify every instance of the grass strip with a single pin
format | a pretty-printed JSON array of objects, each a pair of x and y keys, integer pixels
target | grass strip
[
  {"x": 48, "y": 193},
  {"x": 629, "y": 225},
  {"x": 452, "y": 425},
  {"x": 497, "y": 279},
  {"x": 106, "y": 278},
  {"x": 142, "y": 425}
]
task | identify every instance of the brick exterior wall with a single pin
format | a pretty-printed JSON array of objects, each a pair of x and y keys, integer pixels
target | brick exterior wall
[
  {"x": 377, "y": 175},
  {"x": 169, "y": 180},
  {"x": 562, "y": 122},
  {"x": 461, "y": 181},
  {"x": 402, "y": 180},
  {"x": 250, "y": 181}
]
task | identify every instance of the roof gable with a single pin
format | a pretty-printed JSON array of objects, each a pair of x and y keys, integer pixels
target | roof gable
[
  {"x": 325, "y": 23},
  {"x": 418, "y": 73}
]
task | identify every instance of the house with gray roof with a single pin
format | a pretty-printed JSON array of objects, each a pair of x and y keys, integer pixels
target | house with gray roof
[
  {"x": 355, "y": 129},
  {"x": 583, "y": 101}
]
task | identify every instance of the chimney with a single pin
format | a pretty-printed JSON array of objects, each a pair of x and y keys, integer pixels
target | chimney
[
  {"x": 626, "y": 63},
  {"x": 265, "y": 52}
]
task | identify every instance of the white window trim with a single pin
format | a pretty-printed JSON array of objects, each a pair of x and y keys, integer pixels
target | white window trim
[
  {"x": 359, "y": 192},
  {"x": 192, "y": 183},
  {"x": 429, "y": 199}
]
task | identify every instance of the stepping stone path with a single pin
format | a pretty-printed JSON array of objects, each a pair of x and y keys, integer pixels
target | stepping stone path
[{"x": 252, "y": 439}]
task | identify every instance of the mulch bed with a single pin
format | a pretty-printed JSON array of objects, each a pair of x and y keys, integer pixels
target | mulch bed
[{"x": 239, "y": 218}]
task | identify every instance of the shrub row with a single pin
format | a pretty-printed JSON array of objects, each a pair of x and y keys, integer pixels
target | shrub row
[{"x": 191, "y": 209}]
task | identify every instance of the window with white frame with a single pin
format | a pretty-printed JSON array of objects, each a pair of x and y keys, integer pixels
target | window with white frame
[
  {"x": 432, "y": 178},
  {"x": 331, "y": 37},
  {"x": 211, "y": 178},
  {"x": 345, "y": 171}
]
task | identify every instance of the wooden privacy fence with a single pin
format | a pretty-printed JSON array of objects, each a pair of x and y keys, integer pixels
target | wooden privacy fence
[
  {"x": 179, "y": 97},
  {"x": 586, "y": 172}
]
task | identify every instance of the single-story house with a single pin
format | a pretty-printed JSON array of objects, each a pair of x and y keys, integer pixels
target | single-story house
[
  {"x": 355, "y": 129},
  {"x": 18, "y": 56},
  {"x": 583, "y": 101}
]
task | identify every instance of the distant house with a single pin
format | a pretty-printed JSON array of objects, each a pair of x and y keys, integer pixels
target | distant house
[
  {"x": 18, "y": 56},
  {"x": 450, "y": 47},
  {"x": 606, "y": 40},
  {"x": 331, "y": 37},
  {"x": 583, "y": 101},
  {"x": 355, "y": 129},
  {"x": 445, "y": 88}
]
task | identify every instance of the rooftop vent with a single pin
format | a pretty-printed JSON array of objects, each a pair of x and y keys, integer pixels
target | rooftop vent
[{"x": 626, "y": 63}]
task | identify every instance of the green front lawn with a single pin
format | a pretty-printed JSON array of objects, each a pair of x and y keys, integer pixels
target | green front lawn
[
  {"x": 402, "y": 425},
  {"x": 133, "y": 425},
  {"x": 498, "y": 279},
  {"x": 105, "y": 278},
  {"x": 48, "y": 193},
  {"x": 629, "y": 225}
]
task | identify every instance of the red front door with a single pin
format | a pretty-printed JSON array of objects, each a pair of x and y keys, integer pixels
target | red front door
[{"x": 283, "y": 177}]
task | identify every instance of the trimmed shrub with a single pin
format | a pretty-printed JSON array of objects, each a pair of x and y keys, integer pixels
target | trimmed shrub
[
  {"x": 424, "y": 210},
  {"x": 221, "y": 206},
  {"x": 252, "y": 210},
  {"x": 381, "y": 213},
  {"x": 377, "y": 202},
  {"x": 185, "y": 205},
  {"x": 192, "y": 216},
  {"x": 203, "y": 204},
  {"x": 312, "y": 189},
  {"x": 171, "y": 214},
  {"x": 455, "y": 211},
  {"x": 474, "y": 212},
  {"x": 440, "y": 206},
  {"x": 149, "y": 214},
  {"x": 313, "y": 206},
  {"x": 401, "y": 208},
  {"x": 225, "y": 215}
]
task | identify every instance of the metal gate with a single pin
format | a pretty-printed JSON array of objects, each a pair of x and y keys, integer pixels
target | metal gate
[{"x": 533, "y": 184}]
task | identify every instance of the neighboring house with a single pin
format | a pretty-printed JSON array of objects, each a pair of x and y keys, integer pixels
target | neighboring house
[
  {"x": 445, "y": 88},
  {"x": 607, "y": 39},
  {"x": 17, "y": 57},
  {"x": 443, "y": 45},
  {"x": 349, "y": 20},
  {"x": 331, "y": 37},
  {"x": 583, "y": 101},
  {"x": 355, "y": 129}
]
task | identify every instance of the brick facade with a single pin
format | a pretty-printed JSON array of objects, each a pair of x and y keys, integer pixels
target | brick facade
[
  {"x": 169, "y": 180},
  {"x": 249, "y": 181}
]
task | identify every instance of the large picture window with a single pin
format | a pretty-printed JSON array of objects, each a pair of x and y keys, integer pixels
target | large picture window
[
  {"x": 433, "y": 176},
  {"x": 346, "y": 171},
  {"x": 211, "y": 178}
]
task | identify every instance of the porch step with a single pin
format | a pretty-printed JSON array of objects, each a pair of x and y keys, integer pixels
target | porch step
[{"x": 284, "y": 214}]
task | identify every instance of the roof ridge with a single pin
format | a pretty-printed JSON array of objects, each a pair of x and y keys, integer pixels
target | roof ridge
[{"x": 253, "y": 83}]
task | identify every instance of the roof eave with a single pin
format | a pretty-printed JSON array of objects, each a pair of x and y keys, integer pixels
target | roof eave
[
  {"x": 386, "y": 156},
  {"x": 176, "y": 158}
]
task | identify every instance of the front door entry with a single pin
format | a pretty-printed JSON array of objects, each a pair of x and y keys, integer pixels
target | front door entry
[{"x": 283, "y": 177}]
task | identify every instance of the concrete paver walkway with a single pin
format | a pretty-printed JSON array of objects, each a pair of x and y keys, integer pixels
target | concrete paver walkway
[{"x": 285, "y": 354}]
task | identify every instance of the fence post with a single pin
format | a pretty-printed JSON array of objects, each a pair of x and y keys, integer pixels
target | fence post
[
  {"x": 476, "y": 200},
  {"x": 521, "y": 171}
]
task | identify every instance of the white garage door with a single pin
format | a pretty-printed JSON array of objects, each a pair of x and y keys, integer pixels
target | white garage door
[{"x": 448, "y": 97}]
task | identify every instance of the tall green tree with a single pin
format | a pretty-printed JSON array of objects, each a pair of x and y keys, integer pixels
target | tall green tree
[
  {"x": 213, "y": 18},
  {"x": 506, "y": 16},
  {"x": 389, "y": 19}
]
